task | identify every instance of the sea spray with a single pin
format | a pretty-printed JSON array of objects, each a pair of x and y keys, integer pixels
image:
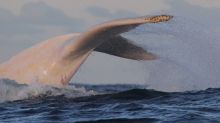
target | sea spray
[{"x": 188, "y": 53}]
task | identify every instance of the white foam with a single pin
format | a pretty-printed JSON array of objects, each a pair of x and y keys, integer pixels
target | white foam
[{"x": 11, "y": 91}]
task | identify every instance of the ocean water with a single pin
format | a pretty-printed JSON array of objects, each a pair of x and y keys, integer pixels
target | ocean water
[
  {"x": 106, "y": 104},
  {"x": 182, "y": 86}
]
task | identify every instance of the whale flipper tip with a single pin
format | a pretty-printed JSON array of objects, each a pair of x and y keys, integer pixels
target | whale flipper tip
[{"x": 159, "y": 18}]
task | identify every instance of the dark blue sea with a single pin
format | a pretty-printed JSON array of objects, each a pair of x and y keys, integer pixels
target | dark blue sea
[{"x": 80, "y": 103}]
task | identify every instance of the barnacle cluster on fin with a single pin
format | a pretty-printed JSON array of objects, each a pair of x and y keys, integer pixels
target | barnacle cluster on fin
[{"x": 159, "y": 18}]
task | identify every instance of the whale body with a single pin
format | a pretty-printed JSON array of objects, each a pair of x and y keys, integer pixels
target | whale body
[{"x": 55, "y": 61}]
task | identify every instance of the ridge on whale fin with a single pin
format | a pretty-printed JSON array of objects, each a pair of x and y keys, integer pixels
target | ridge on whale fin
[{"x": 55, "y": 61}]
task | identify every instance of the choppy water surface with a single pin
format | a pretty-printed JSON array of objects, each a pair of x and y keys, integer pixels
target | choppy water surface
[{"x": 109, "y": 103}]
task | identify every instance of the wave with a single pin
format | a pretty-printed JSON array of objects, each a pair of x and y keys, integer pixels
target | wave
[
  {"x": 129, "y": 95},
  {"x": 11, "y": 91}
]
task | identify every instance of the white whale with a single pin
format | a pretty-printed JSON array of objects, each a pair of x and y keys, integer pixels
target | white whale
[{"x": 55, "y": 61}]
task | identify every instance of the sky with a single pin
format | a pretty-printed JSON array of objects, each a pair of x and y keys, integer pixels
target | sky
[{"x": 27, "y": 22}]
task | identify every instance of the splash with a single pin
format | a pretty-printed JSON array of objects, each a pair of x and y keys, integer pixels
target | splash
[
  {"x": 188, "y": 51},
  {"x": 189, "y": 60},
  {"x": 11, "y": 91}
]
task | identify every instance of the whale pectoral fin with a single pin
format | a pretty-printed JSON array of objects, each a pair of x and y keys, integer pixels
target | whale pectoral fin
[
  {"x": 122, "y": 47},
  {"x": 96, "y": 36}
]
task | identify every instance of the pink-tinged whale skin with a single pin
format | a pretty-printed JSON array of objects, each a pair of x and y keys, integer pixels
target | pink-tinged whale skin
[{"x": 55, "y": 61}]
